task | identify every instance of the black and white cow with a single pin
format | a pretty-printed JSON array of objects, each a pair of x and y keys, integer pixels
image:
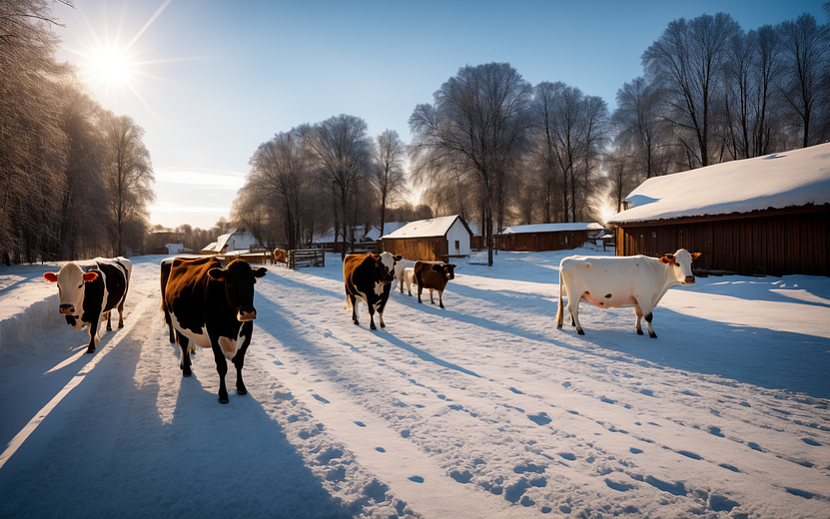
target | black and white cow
[
  {"x": 368, "y": 276},
  {"x": 90, "y": 290},
  {"x": 213, "y": 307}
]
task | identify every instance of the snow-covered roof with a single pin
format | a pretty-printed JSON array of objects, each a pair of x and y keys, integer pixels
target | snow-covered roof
[
  {"x": 552, "y": 227},
  {"x": 425, "y": 228},
  {"x": 787, "y": 179}
]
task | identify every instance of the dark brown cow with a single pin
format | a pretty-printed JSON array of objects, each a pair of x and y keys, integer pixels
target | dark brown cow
[
  {"x": 213, "y": 307},
  {"x": 368, "y": 276},
  {"x": 433, "y": 275}
]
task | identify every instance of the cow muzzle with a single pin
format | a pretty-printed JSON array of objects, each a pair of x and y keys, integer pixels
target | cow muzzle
[
  {"x": 247, "y": 313},
  {"x": 690, "y": 280},
  {"x": 67, "y": 309}
]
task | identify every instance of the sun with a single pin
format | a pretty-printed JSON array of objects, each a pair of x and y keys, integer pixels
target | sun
[{"x": 111, "y": 66}]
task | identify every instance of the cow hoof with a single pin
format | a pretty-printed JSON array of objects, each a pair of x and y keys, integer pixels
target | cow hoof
[
  {"x": 120, "y": 325},
  {"x": 373, "y": 327},
  {"x": 223, "y": 400},
  {"x": 639, "y": 332},
  {"x": 242, "y": 391},
  {"x": 91, "y": 349},
  {"x": 580, "y": 332},
  {"x": 441, "y": 307},
  {"x": 653, "y": 335},
  {"x": 558, "y": 326},
  {"x": 109, "y": 328}
]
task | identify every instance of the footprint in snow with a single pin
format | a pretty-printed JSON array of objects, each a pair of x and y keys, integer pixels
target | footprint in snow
[{"x": 416, "y": 479}]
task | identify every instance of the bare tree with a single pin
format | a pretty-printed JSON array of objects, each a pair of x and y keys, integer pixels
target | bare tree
[
  {"x": 624, "y": 174},
  {"x": 807, "y": 45},
  {"x": 638, "y": 122},
  {"x": 342, "y": 150},
  {"x": 279, "y": 169},
  {"x": 128, "y": 176},
  {"x": 388, "y": 171},
  {"x": 686, "y": 62},
  {"x": 477, "y": 127}
]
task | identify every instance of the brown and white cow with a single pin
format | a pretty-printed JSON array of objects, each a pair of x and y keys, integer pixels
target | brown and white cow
[
  {"x": 90, "y": 290},
  {"x": 433, "y": 275},
  {"x": 369, "y": 277},
  {"x": 611, "y": 282},
  {"x": 213, "y": 307}
]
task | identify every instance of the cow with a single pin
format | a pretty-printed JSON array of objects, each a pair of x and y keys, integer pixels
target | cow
[
  {"x": 433, "y": 275},
  {"x": 368, "y": 276},
  {"x": 400, "y": 265},
  {"x": 280, "y": 256},
  {"x": 90, "y": 290},
  {"x": 214, "y": 308},
  {"x": 611, "y": 282},
  {"x": 408, "y": 280}
]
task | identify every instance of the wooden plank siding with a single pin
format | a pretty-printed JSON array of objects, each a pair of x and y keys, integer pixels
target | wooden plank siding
[
  {"x": 425, "y": 249},
  {"x": 774, "y": 244},
  {"x": 541, "y": 241}
]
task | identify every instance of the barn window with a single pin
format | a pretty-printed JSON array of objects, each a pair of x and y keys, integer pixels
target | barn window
[
  {"x": 457, "y": 244},
  {"x": 654, "y": 234}
]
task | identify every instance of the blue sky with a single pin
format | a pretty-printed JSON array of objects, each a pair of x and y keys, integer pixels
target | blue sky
[{"x": 211, "y": 80}]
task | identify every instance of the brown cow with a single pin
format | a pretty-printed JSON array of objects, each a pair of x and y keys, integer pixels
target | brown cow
[
  {"x": 368, "y": 277},
  {"x": 433, "y": 275},
  {"x": 280, "y": 256}
]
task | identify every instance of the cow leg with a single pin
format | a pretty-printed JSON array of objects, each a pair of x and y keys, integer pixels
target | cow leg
[
  {"x": 420, "y": 290},
  {"x": 441, "y": 299},
  {"x": 353, "y": 300},
  {"x": 222, "y": 370},
  {"x": 573, "y": 309},
  {"x": 93, "y": 335},
  {"x": 639, "y": 314},
  {"x": 184, "y": 348},
  {"x": 109, "y": 325},
  {"x": 121, "y": 314},
  {"x": 239, "y": 358},
  {"x": 371, "y": 315},
  {"x": 431, "y": 300},
  {"x": 646, "y": 311}
]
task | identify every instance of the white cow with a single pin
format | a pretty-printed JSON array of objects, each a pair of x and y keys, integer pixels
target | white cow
[
  {"x": 408, "y": 280},
  {"x": 611, "y": 282},
  {"x": 400, "y": 265}
]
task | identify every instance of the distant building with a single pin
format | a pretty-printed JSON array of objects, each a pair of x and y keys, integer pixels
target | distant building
[
  {"x": 434, "y": 239},
  {"x": 765, "y": 215},
  {"x": 233, "y": 240},
  {"x": 547, "y": 236}
]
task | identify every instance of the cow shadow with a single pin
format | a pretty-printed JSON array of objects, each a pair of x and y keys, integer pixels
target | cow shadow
[
  {"x": 758, "y": 356},
  {"x": 210, "y": 460}
]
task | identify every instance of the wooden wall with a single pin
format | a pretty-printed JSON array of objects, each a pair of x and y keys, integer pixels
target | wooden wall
[
  {"x": 541, "y": 241},
  {"x": 426, "y": 249},
  {"x": 774, "y": 243}
]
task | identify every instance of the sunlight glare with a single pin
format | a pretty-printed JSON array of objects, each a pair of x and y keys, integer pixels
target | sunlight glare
[{"x": 110, "y": 66}]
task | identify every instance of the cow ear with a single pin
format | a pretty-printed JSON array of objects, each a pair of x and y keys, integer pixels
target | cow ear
[
  {"x": 398, "y": 257},
  {"x": 695, "y": 256},
  {"x": 667, "y": 259},
  {"x": 217, "y": 274},
  {"x": 90, "y": 276},
  {"x": 260, "y": 272},
  {"x": 50, "y": 277}
]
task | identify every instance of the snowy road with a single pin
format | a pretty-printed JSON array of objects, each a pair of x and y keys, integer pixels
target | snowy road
[{"x": 480, "y": 410}]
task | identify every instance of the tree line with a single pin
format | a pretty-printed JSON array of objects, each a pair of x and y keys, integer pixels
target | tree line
[
  {"x": 75, "y": 179},
  {"x": 500, "y": 151}
]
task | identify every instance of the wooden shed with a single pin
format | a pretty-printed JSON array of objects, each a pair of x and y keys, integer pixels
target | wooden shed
[
  {"x": 546, "y": 236},
  {"x": 766, "y": 215},
  {"x": 435, "y": 239}
]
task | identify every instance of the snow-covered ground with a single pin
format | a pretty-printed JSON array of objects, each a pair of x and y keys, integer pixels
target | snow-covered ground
[{"x": 482, "y": 410}]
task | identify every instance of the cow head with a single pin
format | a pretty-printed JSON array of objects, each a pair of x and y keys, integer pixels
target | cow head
[
  {"x": 238, "y": 280},
  {"x": 384, "y": 267},
  {"x": 682, "y": 261},
  {"x": 445, "y": 269},
  {"x": 70, "y": 280}
]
